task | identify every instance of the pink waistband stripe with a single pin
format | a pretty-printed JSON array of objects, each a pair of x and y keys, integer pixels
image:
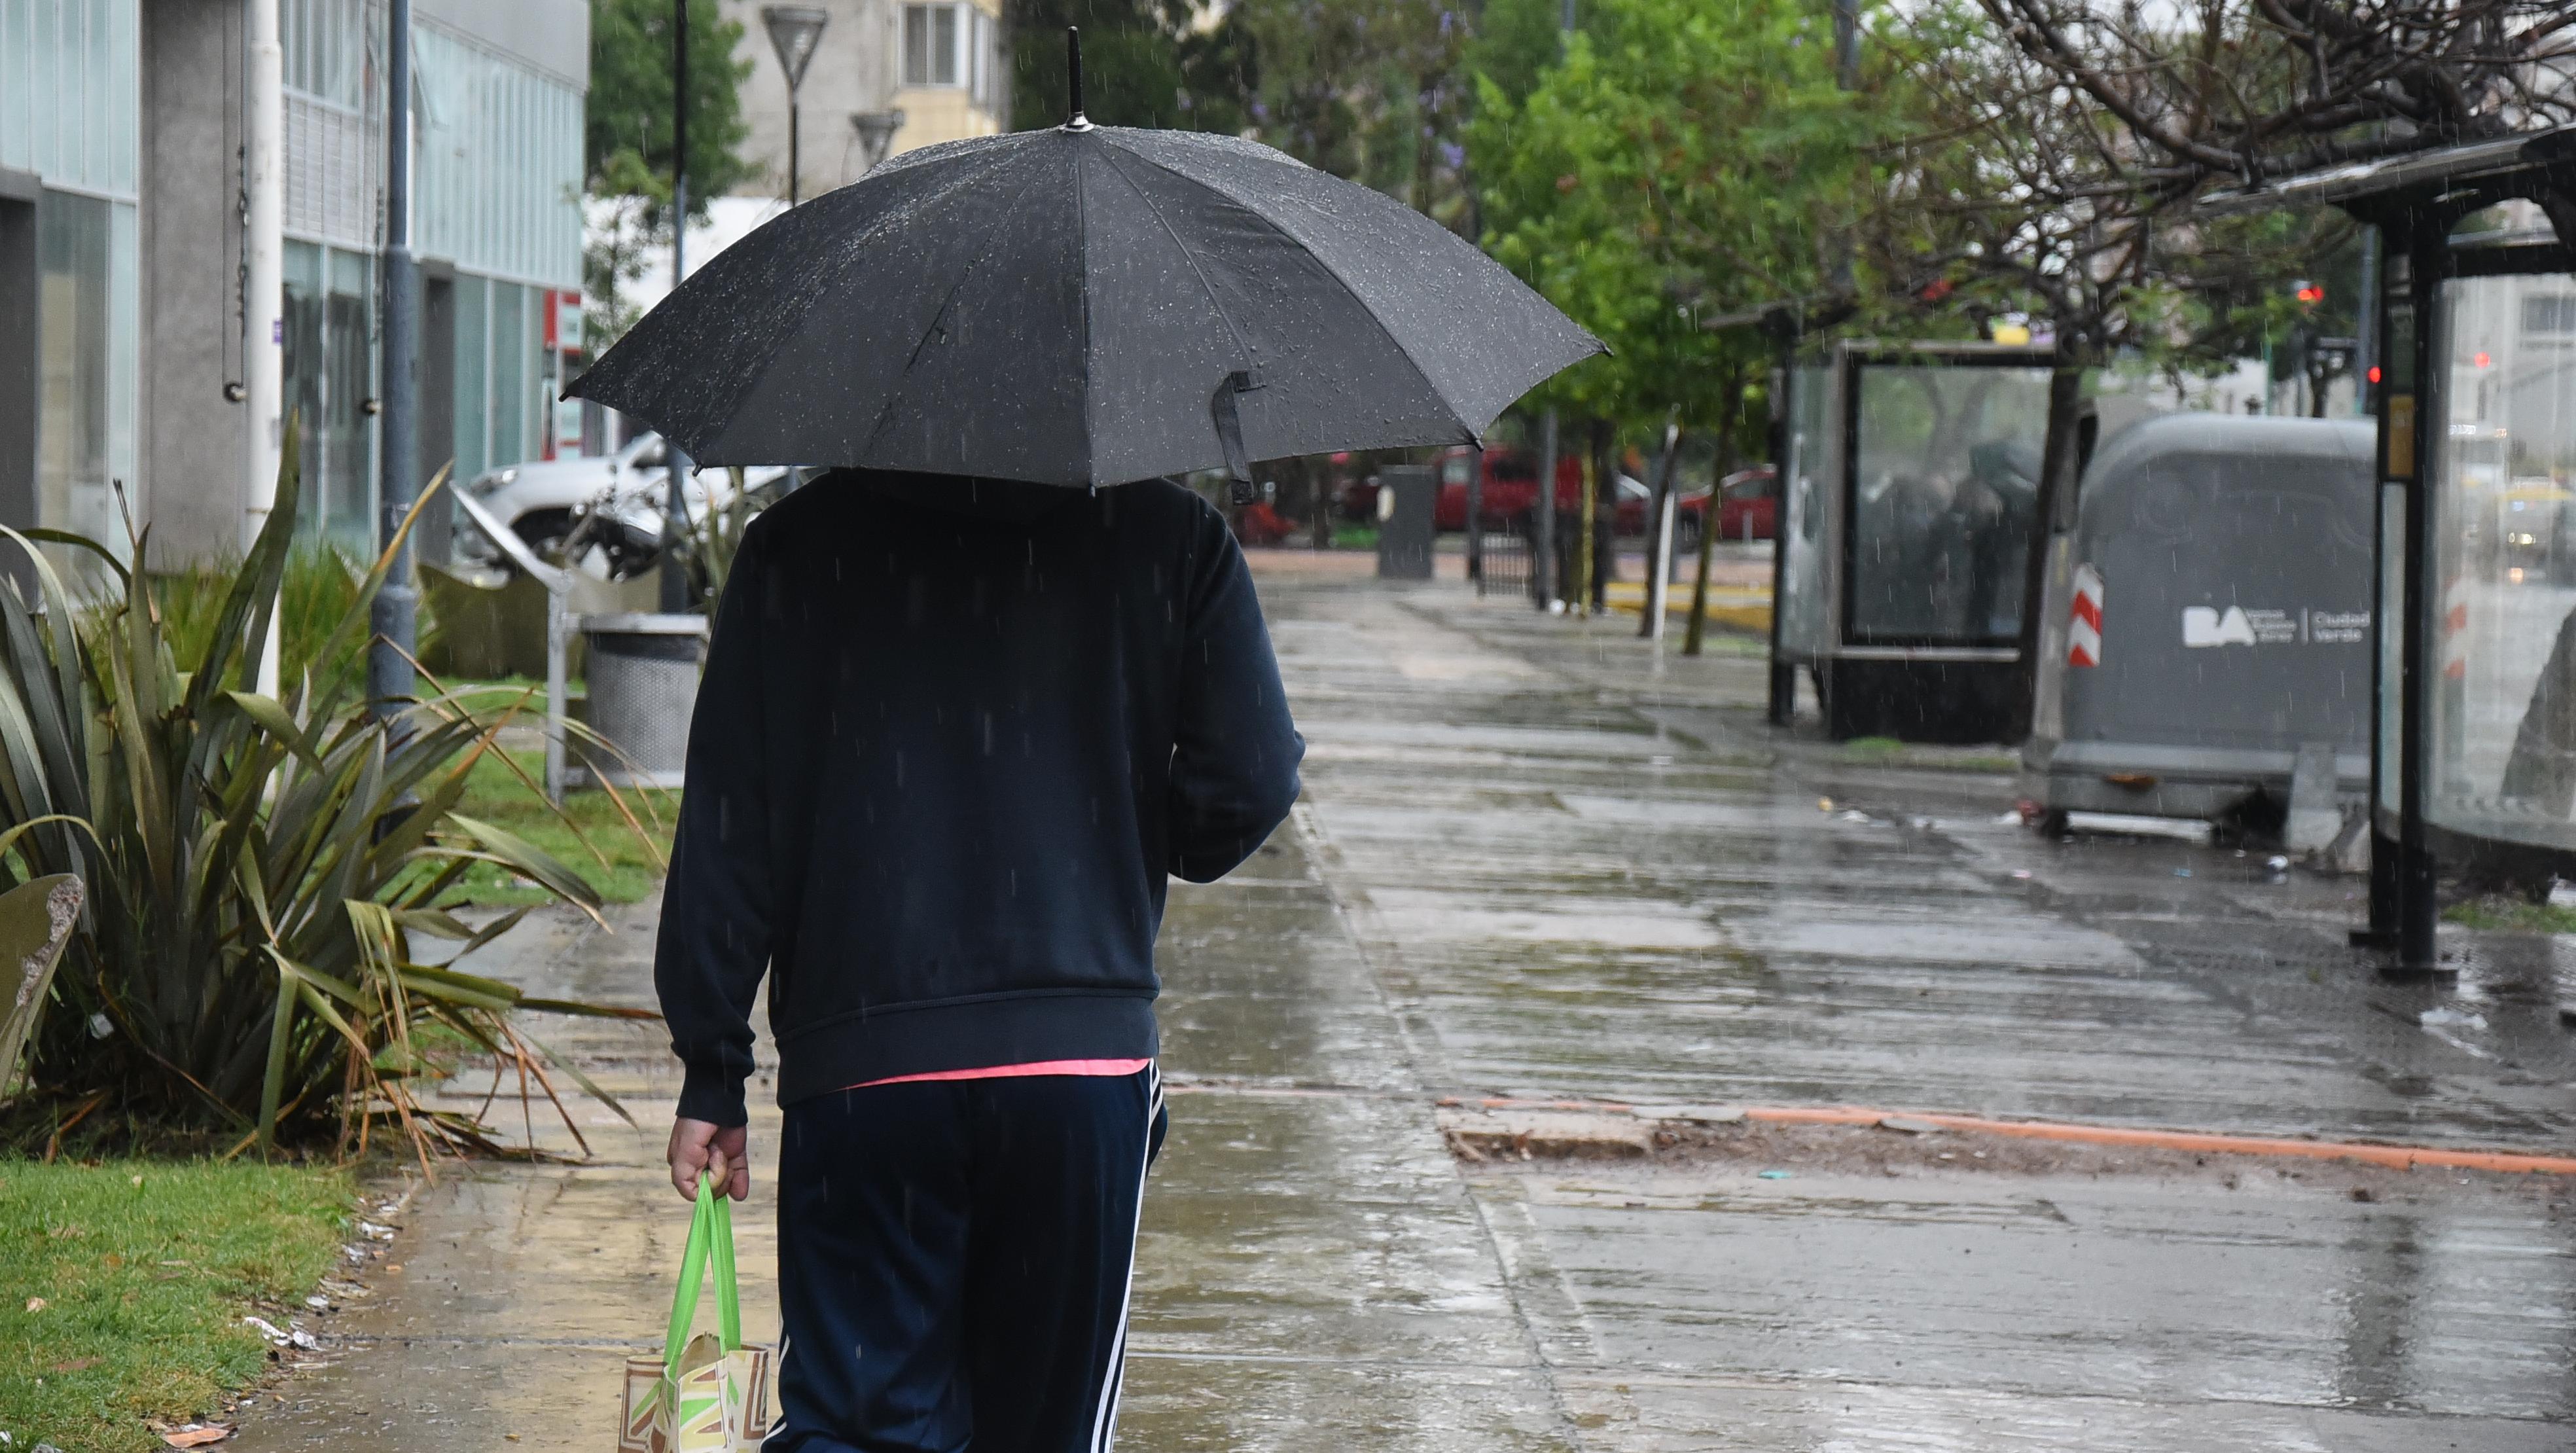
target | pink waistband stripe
[{"x": 1011, "y": 1072}]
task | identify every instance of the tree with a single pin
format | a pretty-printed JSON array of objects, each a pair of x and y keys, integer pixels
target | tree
[
  {"x": 2234, "y": 90},
  {"x": 1145, "y": 63},
  {"x": 627, "y": 138},
  {"x": 627, "y": 133},
  {"x": 1687, "y": 158}
]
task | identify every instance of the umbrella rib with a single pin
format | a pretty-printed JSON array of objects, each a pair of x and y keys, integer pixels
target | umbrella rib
[
  {"x": 1437, "y": 392},
  {"x": 895, "y": 395},
  {"x": 1187, "y": 253}
]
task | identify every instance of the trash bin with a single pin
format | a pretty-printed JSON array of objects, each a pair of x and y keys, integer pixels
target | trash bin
[
  {"x": 1406, "y": 496},
  {"x": 2207, "y": 617},
  {"x": 643, "y": 687}
]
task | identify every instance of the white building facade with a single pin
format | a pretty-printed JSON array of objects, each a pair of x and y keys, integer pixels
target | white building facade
[{"x": 121, "y": 222}]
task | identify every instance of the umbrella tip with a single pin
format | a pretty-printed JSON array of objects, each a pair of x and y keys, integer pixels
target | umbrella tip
[{"x": 1073, "y": 74}]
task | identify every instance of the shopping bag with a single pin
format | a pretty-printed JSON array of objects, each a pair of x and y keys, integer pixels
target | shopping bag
[{"x": 706, "y": 1393}]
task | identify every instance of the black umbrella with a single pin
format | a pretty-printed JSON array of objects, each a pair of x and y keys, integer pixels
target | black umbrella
[{"x": 1085, "y": 305}]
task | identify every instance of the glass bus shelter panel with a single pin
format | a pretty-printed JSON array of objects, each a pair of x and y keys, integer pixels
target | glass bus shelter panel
[
  {"x": 1945, "y": 496},
  {"x": 1806, "y": 543},
  {"x": 2503, "y": 558}
]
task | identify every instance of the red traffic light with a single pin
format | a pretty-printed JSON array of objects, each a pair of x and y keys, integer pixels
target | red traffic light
[
  {"x": 2310, "y": 294},
  {"x": 2374, "y": 373},
  {"x": 2482, "y": 360}
]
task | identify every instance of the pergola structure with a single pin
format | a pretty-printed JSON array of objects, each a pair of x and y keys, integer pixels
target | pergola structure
[{"x": 2474, "y": 758}]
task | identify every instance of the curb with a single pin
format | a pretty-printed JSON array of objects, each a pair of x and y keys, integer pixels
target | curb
[{"x": 2395, "y": 1157}]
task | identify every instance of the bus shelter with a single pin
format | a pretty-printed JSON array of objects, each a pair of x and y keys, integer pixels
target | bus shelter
[
  {"x": 2474, "y": 756},
  {"x": 1909, "y": 518}
]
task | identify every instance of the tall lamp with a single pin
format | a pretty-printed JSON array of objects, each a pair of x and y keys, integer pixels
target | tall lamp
[
  {"x": 876, "y": 133},
  {"x": 794, "y": 30}
]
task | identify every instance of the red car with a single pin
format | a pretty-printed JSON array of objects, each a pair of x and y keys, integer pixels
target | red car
[
  {"x": 1748, "y": 503},
  {"x": 1511, "y": 490}
]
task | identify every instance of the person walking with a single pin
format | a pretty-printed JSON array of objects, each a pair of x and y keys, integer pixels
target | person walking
[{"x": 954, "y": 737}]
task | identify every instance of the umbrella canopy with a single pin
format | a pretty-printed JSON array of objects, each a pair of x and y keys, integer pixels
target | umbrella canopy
[{"x": 1085, "y": 305}]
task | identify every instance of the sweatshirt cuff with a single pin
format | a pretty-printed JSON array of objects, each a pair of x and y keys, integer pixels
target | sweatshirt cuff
[{"x": 713, "y": 1093}]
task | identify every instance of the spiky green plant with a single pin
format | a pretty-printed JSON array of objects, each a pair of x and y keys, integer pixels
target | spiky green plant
[
  {"x": 258, "y": 865},
  {"x": 321, "y": 581}
]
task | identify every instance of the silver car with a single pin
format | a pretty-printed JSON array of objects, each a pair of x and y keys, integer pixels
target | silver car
[{"x": 615, "y": 500}]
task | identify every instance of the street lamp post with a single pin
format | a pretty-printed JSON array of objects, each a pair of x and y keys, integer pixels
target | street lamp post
[
  {"x": 676, "y": 468},
  {"x": 794, "y": 31},
  {"x": 394, "y": 613},
  {"x": 876, "y": 133}
]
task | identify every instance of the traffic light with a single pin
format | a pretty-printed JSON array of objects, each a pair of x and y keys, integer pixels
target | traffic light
[{"x": 2309, "y": 294}]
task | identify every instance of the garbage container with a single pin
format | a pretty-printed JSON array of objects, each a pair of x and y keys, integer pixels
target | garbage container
[
  {"x": 643, "y": 687},
  {"x": 1406, "y": 495},
  {"x": 2207, "y": 617}
]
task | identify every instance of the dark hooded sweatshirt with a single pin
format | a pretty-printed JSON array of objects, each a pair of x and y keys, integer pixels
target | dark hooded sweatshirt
[{"x": 951, "y": 737}]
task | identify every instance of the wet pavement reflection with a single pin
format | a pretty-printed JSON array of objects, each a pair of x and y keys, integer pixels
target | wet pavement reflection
[{"x": 1534, "y": 863}]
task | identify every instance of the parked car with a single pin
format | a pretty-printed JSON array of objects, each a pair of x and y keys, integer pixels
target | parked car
[
  {"x": 1748, "y": 504},
  {"x": 614, "y": 500},
  {"x": 1510, "y": 489}
]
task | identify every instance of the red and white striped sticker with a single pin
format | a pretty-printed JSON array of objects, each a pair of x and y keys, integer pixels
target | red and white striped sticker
[
  {"x": 2084, "y": 619},
  {"x": 2455, "y": 630}
]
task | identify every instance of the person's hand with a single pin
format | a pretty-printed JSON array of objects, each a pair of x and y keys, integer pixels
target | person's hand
[{"x": 698, "y": 1145}]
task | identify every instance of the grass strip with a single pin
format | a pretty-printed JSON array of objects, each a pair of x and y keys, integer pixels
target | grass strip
[
  {"x": 494, "y": 795},
  {"x": 123, "y": 1286},
  {"x": 2512, "y": 915}
]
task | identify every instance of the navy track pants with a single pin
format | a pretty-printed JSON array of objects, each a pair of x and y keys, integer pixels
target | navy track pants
[{"x": 953, "y": 1263}]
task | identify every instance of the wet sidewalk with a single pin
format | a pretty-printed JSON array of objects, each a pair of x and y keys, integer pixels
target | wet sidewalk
[{"x": 1530, "y": 865}]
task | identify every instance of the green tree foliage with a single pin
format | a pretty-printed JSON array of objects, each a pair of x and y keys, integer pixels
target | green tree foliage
[
  {"x": 627, "y": 140},
  {"x": 627, "y": 135},
  {"x": 1687, "y": 159},
  {"x": 1371, "y": 90}
]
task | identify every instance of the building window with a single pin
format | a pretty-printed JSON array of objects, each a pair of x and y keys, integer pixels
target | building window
[
  {"x": 330, "y": 373},
  {"x": 931, "y": 44},
  {"x": 72, "y": 335},
  {"x": 979, "y": 58},
  {"x": 2549, "y": 313}
]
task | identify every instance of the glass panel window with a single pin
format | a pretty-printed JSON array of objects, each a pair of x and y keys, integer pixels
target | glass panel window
[
  {"x": 473, "y": 377},
  {"x": 1812, "y": 472},
  {"x": 509, "y": 373},
  {"x": 916, "y": 45},
  {"x": 2502, "y": 556},
  {"x": 307, "y": 369},
  {"x": 979, "y": 39},
  {"x": 71, "y": 360},
  {"x": 347, "y": 438},
  {"x": 1944, "y": 502},
  {"x": 932, "y": 42}
]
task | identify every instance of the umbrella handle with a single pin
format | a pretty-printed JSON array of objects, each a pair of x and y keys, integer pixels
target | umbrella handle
[{"x": 1229, "y": 430}]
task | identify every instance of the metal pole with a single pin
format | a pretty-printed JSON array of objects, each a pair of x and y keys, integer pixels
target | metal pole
[
  {"x": 394, "y": 612},
  {"x": 1475, "y": 518},
  {"x": 558, "y": 648},
  {"x": 1778, "y": 407},
  {"x": 675, "y": 571},
  {"x": 2365, "y": 327},
  {"x": 1659, "y": 547},
  {"x": 1587, "y": 585},
  {"x": 2416, "y": 908},
  {"x": 795, "y": 116},
  {"x": 1543, "y": 570},
  {"x": 264, "y": 289}
]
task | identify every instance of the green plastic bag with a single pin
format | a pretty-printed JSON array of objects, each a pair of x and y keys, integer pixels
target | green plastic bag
[{"x": 707, "y": 1393}]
